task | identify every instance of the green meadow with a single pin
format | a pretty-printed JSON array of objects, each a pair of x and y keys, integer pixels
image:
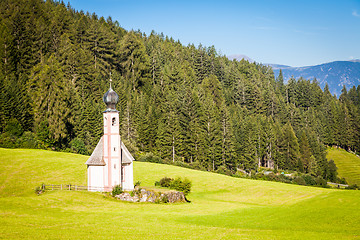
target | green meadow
[
  {"x": 221, "y": 207},
  {"x": 348, "y": 164}
]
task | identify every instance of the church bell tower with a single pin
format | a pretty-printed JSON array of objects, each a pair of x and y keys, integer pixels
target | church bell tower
[
  {"x": 112, "y": 141},
  {"x": 111, "y": 163}
]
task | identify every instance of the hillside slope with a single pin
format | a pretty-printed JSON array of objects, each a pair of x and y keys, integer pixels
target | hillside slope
[
  {"x": 348, "y": 164},
  {"x": 221, "y": 207}
]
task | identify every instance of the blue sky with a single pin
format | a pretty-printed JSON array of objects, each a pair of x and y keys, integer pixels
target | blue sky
[{"x": 291, "y": 32}]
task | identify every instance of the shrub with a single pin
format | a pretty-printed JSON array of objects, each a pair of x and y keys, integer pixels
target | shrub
[
  {"x": 149, "y": 157},
  {"x": 14, "y": 128},
  {"x": 321, "y": 182},
  {"x": 272, "y": 177},
  {"x": 165, "y": 182},
  {"x": 197, "y": 165},
  {"x": 78, "y": 146},
  {"x": 309, "y": 180},
  {"x": 177, "y": 184},
  {"x": 117, "y": 190},
  {"x": 223, "y": 170},
  {"x": 7, "y": 141},
  {"x": 299, "y": 180},
  {"x": 352, "y": 187},
  {"x": 343, "y": 181},
  {"x": 28, "y": 140},
  {"x": 40, "y": 189},
  {"x": 284, "y": 179},
  {"x": 185, "y": 186},
  {"x": 181, "y": 164},
  {"x": 258, "y": 176},
  {"x": 181, "y": 185}
]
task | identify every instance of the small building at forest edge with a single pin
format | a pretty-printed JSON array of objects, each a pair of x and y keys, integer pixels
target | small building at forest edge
[{"x": 111, "y": 163}]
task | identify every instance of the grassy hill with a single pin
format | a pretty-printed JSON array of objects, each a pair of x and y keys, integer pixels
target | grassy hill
[
  {"x": 221, "y": 207},
  {"x": 348, "y": 164}
]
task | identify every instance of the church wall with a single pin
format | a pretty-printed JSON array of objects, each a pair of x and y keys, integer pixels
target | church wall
[
  {"x": 95, "y": 178},
  {"x": 128, "y": 183}
]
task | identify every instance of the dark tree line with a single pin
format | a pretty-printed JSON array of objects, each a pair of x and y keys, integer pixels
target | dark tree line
[{"x": 181, "y": 103}]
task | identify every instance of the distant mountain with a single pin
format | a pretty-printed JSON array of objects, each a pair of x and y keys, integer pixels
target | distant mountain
[
  {"x": 336, "y": 74},
  {"x": 238, "y": 57},
  {"x": 277, "y": 66}
]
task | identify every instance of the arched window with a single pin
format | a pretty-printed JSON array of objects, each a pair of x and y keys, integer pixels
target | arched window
[{"x": 114, "y": 121}]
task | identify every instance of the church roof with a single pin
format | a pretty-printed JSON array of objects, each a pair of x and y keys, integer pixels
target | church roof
[
  {"x": 127, "y": 157},
  {"x": 111, "y": 98},
  {"x": 97, "y": 157}
]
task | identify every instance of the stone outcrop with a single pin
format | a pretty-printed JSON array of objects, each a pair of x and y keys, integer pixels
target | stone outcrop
[
  {"x": 125, "y": 196},
  {"x": 143, "y": 195},
  {"x": 175, "y": 196}
]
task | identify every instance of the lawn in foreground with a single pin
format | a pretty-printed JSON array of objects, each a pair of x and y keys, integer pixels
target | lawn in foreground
[
  {"x": 221, "y": 207},
  {"x": 348, "y": 164}
]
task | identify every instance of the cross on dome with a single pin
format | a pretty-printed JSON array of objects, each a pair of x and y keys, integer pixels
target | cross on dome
[
  {"x": 110, "y": 80},
  {"x": 110, "y": 98}
]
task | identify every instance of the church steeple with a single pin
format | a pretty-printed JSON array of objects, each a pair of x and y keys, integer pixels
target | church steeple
[
  {"x": 111, "y": 98},
  {"x": 111, "y": 164}
]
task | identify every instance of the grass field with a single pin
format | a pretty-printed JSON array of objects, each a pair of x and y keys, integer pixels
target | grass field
[
  {"x": 221, "y": 207},
  {"x": 348, "y": 164}
]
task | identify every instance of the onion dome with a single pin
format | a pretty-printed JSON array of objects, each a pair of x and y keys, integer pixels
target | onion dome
[{"x": 111, "y": 98}]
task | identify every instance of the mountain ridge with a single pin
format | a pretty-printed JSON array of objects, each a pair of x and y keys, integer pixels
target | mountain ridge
[{"x": 336, "y": 73}]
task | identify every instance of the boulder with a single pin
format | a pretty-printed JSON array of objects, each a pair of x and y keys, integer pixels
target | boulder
[
  {"x": 125, "y": 196},
  {"x": 175, "y": 196},
  {"x": 143, "y": 195}
]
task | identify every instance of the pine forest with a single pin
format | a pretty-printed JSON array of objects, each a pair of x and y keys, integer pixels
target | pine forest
[{"x": 178, "y": 104}]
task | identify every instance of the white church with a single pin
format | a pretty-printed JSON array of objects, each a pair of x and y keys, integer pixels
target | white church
[{"x": 111, "y": 163}]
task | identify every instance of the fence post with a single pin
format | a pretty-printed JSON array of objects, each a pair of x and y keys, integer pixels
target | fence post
[
  {"x": 75, "y": 187},
  {"x": 52, "y": 186},
  {"x": 69, "y": 187},
  {"x": 61, "y": 186}
]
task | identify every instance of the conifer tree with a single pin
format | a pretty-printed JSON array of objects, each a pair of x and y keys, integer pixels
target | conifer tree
[
  {"x": 211, "y": 134},
  {"x": 168, "y": 135},
  {"x": 305, "y": 152},
  {"x": 52, "y": 98},
  {"x": 134, "y": 60},
  {"x": 290, "y": 147}
]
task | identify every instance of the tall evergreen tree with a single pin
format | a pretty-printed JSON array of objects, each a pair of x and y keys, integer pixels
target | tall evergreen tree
[
  {"x": 290, "y": 147},
  {"x": 134, "y": 61}
]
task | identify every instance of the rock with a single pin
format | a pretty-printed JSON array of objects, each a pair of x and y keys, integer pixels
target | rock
[
  {"x": 175, "y": 197},
  {"x": 143, "y": 195},
  {"x": 127, "y": 197},
  {"x": 143, "y": 198}
]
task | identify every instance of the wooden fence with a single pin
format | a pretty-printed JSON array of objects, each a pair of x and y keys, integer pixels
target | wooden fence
[
  {"x": 70, "y": 187},
  {"x": 338, "y": 185}
]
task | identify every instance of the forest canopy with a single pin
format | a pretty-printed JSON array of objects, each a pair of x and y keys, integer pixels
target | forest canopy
[{"x": 179, "y": 103}]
